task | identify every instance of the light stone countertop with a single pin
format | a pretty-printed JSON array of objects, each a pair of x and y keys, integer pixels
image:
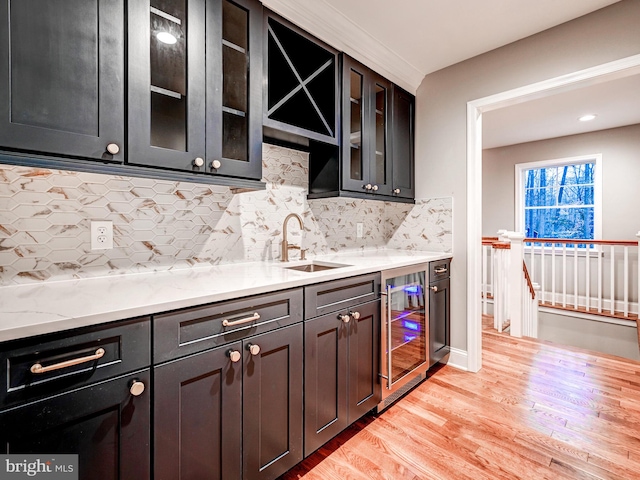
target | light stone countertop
[{"x": 34, "y": 309}]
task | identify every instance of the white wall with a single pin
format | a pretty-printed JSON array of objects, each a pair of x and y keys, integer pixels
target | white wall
[
  {"x": 620, "y": 148},
  {"x": 603, "y": 36},
  {"x": 594, "y": 335}
]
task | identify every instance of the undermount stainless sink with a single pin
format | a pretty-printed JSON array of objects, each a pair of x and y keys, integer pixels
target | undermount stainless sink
[{"x": 316, "y": 266}]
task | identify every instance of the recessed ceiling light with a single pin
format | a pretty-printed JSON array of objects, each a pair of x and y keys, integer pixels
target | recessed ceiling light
[
  {"x": 166, "y": 37},
  {"x": 587, "y": 118}
]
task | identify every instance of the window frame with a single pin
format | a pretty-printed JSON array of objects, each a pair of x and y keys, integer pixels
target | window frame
[{"x": 521, "y": 168}]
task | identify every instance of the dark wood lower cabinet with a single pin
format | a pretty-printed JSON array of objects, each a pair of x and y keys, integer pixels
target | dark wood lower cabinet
[
  {"x": 103, "y": 423},
  {"x": 197, "y": 417},
  {"x": 325, "y": 380},
  {"x": 272, "y": 403},
  {"x": 439, "y": 321},
  {"x": 341, "y": 372},
  {"x": 218, "y": 419}
]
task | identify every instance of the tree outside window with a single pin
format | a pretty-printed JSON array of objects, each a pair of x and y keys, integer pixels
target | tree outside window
[{"x": 560, "y": 198}]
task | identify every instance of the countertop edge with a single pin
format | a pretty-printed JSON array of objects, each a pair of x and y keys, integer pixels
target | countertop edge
[{"x": 27, "y": 323}]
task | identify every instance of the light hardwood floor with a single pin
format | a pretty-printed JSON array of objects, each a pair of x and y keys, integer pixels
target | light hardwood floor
[{"x": 534, "y": 411}]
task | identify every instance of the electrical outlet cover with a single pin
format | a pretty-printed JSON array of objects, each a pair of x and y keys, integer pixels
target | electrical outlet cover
[{"x": 101, "y": 235}]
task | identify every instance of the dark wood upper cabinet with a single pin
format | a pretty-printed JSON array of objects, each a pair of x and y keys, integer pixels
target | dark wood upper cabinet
[
  {"x": 194, "y": 86},
  {"x": 403, "y": 159},
  {"x": 234, "y": 88},
  {"x": 366, "y": 130},
  {"x": 375, "y": 160},
  {"x": 62, "y": 77},
  {"x": 301, "y": 82}
]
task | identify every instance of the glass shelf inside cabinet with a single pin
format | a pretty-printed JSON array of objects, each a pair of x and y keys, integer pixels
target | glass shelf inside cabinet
[
  {"x": 235, "y": 81},
  {"x": 355, "y": 137},
  {"x": 381, "y": 136},
  {"x": 168, "y": 60}
]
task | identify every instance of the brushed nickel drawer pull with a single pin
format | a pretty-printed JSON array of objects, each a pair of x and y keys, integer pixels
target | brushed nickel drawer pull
[
  {"x": 440, "y": 269},
  {"x": 38, "y": 368},
  {"x": 227, "y": 323}
]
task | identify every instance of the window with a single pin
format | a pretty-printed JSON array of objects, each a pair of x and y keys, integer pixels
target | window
[{"x": 559, "y": 198}]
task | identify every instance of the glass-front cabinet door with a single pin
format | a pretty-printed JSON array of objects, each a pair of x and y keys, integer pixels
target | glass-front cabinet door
[
  {"x": 194, "y": 94},
  {"x": 167, "y": 83},
  {"x": 234, "y": 82},
  {"x": 405, "y": 329},
  {"x": 356, "y": 115},
  {"x": 366, "y": 143},
  {"x": 380, "y": 168}
]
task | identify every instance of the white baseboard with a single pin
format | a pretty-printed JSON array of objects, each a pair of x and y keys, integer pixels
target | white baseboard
[{"x": 458, "y": 359}]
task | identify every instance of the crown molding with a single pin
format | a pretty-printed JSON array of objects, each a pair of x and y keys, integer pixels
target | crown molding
[{"x": 331, "y": 26}]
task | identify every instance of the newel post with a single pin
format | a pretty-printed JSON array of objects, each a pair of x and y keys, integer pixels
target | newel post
[{"x": 516, "y": 282}]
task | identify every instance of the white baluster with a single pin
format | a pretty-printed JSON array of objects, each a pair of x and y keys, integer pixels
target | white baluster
[
  {"x": 588, "y": 277},
  {"x": 542, "y": 268},
  {"x": 600, "y": 253},
  {"x": 516, "y": 278},
  {"x": 612, "y": 280},
  {"x": 564, "y": 275},
  {"x": 553, "y": 274},
  {"x": 575, "y": 276},
  {"x": 485, "y": 274},
  {"x": 626, "y": 281}
]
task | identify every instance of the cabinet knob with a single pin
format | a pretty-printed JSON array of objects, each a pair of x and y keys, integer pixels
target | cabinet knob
[
  {"x": 355, "y": 315},
  {"x": 198, "y": 161},
  {"x": 344, "y": 318},
  {"x": 396, "y": 191},
  {"x": 434, "y": 288},
  {"x": 234, "y": 355},
  {"x": 113, "y": 148},
  {"x": 368, "y": 186},
  {"x": 253, "y": 348},
  {"x": 136, "y": 388},
  {"x": 374, "y": 188},
  {"x": 216, "y": 164}
]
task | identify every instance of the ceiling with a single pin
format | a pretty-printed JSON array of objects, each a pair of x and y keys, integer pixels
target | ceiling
[
  {"x": 407, "y": 39},
  {"x": 616, "y": 103}
]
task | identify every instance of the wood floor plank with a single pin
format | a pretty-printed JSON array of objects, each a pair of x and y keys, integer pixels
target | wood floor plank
[{"x": 534, "y": 411}]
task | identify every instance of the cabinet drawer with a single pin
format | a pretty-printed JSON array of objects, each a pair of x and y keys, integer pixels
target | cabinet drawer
[
  {"x": 196, "y": 329},
  {"x": 439, "y": 270},
  {"x": 339, "y": 294},
  {"x": 71, "y": 359}
]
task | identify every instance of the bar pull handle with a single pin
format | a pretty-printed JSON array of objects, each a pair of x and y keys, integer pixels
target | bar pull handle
[
  {"x": 389, "y": 359},
  {"x": 228, "y": 323},
  {"x": 440, "y": 270},
  {"x": 38, "y": 368}
]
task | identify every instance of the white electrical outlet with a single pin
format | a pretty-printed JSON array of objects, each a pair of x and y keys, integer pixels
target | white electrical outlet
[
  {"x": 359, "y": 230},
  {"x": 101, "y": 235}
]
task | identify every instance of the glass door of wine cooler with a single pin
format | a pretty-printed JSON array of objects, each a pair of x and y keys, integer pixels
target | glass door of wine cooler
[{"x": 405, "y": 327}]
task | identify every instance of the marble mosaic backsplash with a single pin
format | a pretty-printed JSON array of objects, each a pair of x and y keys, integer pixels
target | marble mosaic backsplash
[{"x": 45, "y": 219}]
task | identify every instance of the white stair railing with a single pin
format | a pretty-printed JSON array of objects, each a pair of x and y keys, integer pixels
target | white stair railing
[
  {"x": 500, "y": 276},
  {"x": 514, "y": 295},
  {"x": 587, "y": 276}
]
